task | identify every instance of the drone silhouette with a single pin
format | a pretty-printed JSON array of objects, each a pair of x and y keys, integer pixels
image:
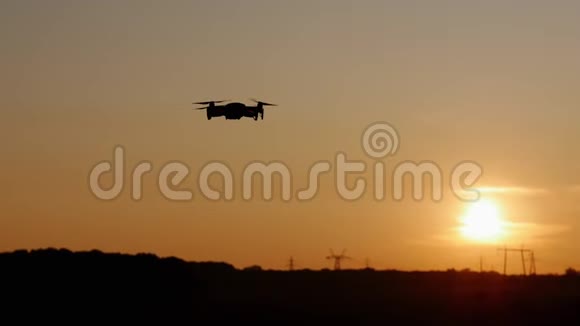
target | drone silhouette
[{"x": 234, "y": 110}]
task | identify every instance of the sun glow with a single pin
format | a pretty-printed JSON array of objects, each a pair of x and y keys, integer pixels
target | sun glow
[{"x": 482, "y": 222}]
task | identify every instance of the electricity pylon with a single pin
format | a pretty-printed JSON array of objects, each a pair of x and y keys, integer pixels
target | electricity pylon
[
  {"x": 522, "y": 252},
  {"x": 291, "y": 264},
  {"x": 532, "y": 263},
  {"x": 337, "y": 258}
]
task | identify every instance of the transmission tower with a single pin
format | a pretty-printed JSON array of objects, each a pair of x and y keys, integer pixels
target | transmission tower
[
  {"x": 291, "y": 264},
  {"x": 522, "y": 253},
  {"x": 532, "y": 263},
  {"x": 337, "y": 258}
]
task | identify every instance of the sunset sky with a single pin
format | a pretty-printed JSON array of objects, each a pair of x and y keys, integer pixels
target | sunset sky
[{"x": 495, "y": 82}]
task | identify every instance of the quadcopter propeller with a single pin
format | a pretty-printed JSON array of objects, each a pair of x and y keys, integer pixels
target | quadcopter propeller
[
  {"x": 263, "y": 103},
  {"x": 209, "y": 102}
]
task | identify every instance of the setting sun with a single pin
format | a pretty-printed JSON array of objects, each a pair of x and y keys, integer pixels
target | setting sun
[{"x": 482, "y": 222}]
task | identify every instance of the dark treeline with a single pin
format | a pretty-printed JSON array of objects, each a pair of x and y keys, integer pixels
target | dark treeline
[{"x": 61, "y": 286}]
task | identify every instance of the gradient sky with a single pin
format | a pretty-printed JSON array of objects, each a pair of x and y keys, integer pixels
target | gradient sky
[{"x": 495, "y": 82}]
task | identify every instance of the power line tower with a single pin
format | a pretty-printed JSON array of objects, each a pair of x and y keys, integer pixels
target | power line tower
[
  {"x": 291, "y": 264},
  {"x": 532, "y": 263},
  {"x": 337, "y": 258},
  {"x": 522, "y": 253}
]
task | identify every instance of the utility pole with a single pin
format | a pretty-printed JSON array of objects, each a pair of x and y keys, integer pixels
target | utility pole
[
  {"x": 337, "y": 258},
  {"x": 523, "y": 261},
  {"x": 505, "y": 251}
]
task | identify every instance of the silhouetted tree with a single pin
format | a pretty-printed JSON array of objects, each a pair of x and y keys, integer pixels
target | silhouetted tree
[
  {"x": 571, "y": 272},
  {"x": 253, "y": 268}
]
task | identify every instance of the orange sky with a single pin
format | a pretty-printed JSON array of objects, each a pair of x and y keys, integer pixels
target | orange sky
[{"x": 494, "y": 83}]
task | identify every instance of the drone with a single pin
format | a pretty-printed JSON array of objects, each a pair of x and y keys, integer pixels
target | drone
[{"x": 234, "y": 110}]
